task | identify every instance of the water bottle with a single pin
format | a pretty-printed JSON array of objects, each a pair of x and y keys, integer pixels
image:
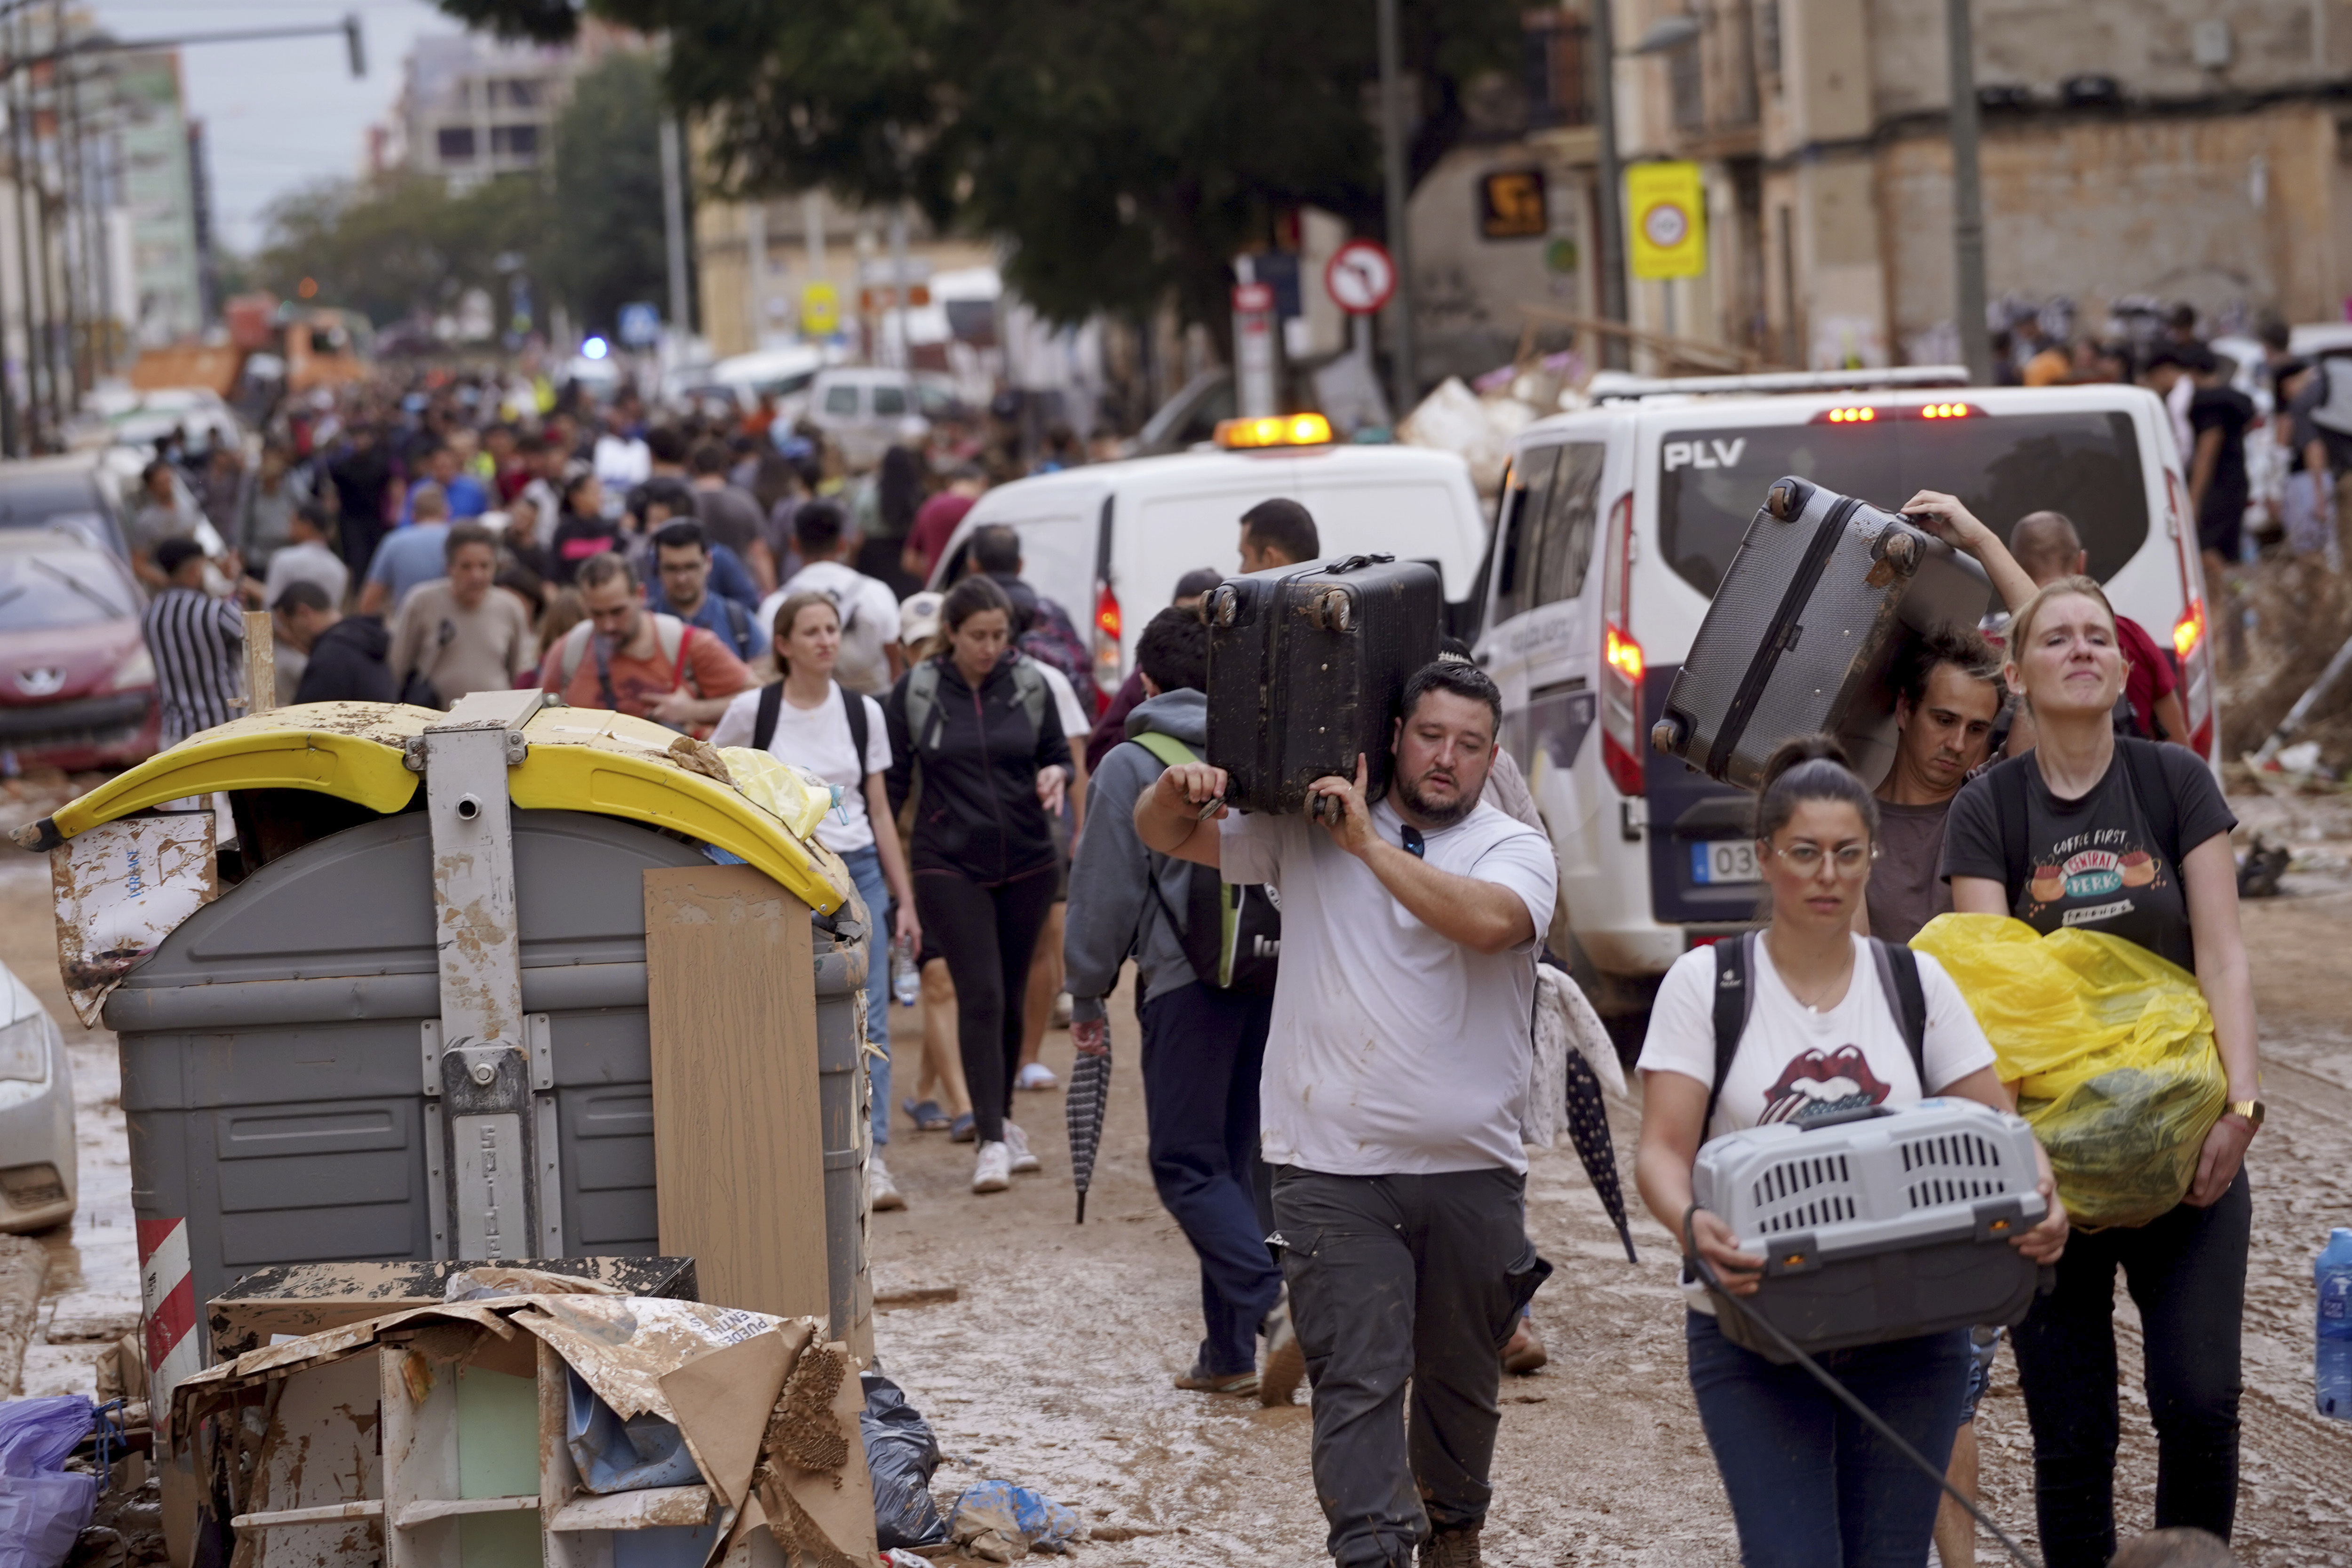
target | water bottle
[
  {"x": 906, "y": 984},
  {"x": 2333, "y": 1270}
]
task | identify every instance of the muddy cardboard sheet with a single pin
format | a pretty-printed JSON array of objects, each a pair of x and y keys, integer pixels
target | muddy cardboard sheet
[{"x": 122, "y": 887}]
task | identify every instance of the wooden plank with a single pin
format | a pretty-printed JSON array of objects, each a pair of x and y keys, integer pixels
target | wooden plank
[
  {"x": 261, "y": 662},
  {"x": 648, "y": 1508},
  {"x": 418, "y": 1513},
  {"x": 366, "y": 1508},
  {"x": 739, "y": 1156}
]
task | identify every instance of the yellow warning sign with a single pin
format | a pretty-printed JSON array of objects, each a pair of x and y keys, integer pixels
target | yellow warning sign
[
  {"x": 1667, "y": 207},
  {"x": 820, "y": 310}
]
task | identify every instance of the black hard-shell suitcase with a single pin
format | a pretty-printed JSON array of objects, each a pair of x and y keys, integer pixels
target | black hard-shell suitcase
[
  {"x": 1307, "y": 664},
  {"x": 1820, "y": 600}
]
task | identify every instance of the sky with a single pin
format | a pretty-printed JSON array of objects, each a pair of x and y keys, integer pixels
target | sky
[{"x": 281, "y": 114}]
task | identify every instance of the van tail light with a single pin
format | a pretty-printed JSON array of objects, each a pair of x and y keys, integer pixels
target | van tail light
[
  {"x": 1622, "y": 662},
  {"x": 1106, "y": 640},
  {"x": 2190, "y": 644}
]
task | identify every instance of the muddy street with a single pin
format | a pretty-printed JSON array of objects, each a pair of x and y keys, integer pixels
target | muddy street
[{"x": 1052, "y": 1367}]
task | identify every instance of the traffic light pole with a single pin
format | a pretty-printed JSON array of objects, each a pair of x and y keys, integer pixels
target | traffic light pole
[{"x": 1404, "y": 374}]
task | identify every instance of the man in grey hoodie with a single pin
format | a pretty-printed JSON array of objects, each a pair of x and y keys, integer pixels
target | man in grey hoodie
[{"x": 1202, "y": 1046}]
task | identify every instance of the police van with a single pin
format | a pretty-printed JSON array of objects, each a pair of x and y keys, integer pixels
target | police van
[
  {"x": 1616, "y": 525},
  {"x": 1109, "y": 540}
]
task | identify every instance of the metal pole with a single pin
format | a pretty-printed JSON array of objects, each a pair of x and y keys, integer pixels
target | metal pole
[
  {"x": 29, "y": 436},
  {"x": 755, "y": 268},
  {"x": 1967, "y": 198},
  {"x": 1610, "y": 252},
  {"x": 674, "y": 224},
  {"x": 901, "y": 359},
  {"x": 1402, "y": 371}
]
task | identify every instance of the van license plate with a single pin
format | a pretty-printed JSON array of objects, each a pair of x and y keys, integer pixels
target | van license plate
[{"x": 1724, "y": 861}]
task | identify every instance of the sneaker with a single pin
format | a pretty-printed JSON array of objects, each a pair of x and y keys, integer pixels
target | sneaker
[
  {"x": 1285, "y": 1363},
  {"x": 1451, "y": 1548},
  {"x": 1036, "y": 1075},
  {"x": 1024, "y": 1163},
  {"x": 991, "y": 1173},
  {"x": 1526, "y": 1352},
  {"x": 881, "y": 1192},
  {"x": 1232, "y": 1382}
]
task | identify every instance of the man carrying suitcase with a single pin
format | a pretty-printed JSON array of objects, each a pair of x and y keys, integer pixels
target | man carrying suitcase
[
  {"x": 1396, "y": 1068},
  {"x": 1203, "y": 1004}
]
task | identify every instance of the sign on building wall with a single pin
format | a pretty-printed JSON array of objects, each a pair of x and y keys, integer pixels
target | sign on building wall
[
  {"x": 820, "y": 310},
  {"x": 1668, "y": 208},
  {"x": 1511, "y": 205}
]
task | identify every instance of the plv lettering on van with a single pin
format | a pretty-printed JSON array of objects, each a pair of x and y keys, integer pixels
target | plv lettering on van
[{"x": 1704, "y": 454}]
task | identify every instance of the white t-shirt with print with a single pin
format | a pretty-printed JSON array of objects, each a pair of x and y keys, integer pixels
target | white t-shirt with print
[
  {"x": 1793, "y": 1061},
  {"x": 1393, "y": 1050},
  {"x": 818, "y": 739}
]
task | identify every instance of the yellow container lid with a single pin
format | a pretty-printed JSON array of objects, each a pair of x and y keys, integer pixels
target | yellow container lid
[{"x": 578, "y": 759}]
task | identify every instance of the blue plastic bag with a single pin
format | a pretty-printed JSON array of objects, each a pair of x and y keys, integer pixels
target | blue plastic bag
[
  {"x": 42, "y": 1508},
  {"x": 617, "y": 1456},
  {"x": 1015, "y": 1514}
]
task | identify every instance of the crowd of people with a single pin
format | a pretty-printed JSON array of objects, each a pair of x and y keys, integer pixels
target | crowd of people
[{"x": 1354, "y": 1193}]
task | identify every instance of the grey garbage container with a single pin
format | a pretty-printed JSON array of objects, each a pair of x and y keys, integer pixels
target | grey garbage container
[{"x": 273, "y": 1080}]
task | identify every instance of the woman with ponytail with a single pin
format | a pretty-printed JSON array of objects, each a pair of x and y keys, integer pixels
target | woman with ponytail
[{"x": 1823, "y": 1033}]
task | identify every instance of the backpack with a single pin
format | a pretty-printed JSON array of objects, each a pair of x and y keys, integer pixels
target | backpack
[
  {"x": 1036, "y": 700},
  {"x": 863, "y": 662},
  {"x": 1735, "y": 1000},
  {"x": 1050, "y": 638},
  {"x": 2143, "y": 768},
  {"x": 670, "y": 632},
  {"x": 738, "y": 629},
  {"x": 771, "y": 707},
  {"x": 1231, "y": 934}
]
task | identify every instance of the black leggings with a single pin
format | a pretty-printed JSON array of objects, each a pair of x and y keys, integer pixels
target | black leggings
[
  {"x": 2186, "y": 1271},
  {"x": 988, "y": 933}
]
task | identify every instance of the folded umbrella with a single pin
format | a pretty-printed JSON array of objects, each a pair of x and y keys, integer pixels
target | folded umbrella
[
  {"x": 1588, "y": 1129},
  {"x": 1084, "y": 1104}
]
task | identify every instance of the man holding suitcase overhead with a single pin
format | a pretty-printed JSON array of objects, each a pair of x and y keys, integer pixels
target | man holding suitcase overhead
[{"x": 1395, "y": 1070}]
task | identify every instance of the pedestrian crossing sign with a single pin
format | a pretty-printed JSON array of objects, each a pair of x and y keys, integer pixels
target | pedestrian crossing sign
[{"x": 1668, "y": 209}]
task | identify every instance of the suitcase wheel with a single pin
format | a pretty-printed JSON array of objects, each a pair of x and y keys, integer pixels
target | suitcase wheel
[
  {"x": 1785, "y": 500},
  {"x": 1326, "y": 808},
  {"x": 1224, "y": 606},
  {"x": 1331, "y": 610},
  {"x": 1668, "y": 735}
]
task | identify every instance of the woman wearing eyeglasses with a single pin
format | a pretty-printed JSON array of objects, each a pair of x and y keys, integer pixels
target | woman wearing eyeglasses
[{"x": 1824, "y": 1032}]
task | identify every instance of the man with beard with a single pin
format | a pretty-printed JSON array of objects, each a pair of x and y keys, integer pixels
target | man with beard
[
  {"x": 1948, "y": 695},
  {"x": 1396, "y": 1073}
]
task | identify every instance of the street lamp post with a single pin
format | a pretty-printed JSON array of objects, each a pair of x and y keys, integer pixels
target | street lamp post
[
  {"x": 1403, "y": 374},
  {"x": 1967, "y": 198},
  {"x": 1611, "y": 208}
]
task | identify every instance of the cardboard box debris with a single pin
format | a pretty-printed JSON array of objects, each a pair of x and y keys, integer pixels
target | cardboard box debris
[{"x": 401, "y": 1439}]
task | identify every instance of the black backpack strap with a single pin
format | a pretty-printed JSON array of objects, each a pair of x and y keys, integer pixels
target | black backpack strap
[
  {"x": 1898, "y": 982},
  {"x": 2145, "y": 764},
  {"x": 853, "y": 708},
  {"x": 2009, "y": 804},
  {"x": 739, "y": 627},
  {"x": 1735, "y": 999},
  {"x": 763, "y": 721}
]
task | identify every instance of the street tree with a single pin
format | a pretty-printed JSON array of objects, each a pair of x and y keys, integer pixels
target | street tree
[{"x": 1123, "y": 154}]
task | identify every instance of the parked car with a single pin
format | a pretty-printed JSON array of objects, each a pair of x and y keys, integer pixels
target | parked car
[
  {"x": 76, "y": 686},
  {"x": 1108, "y": 540},
  {"x": 88, "y": 494},
  {"x": 1617, "y": 523},
  {"x": 867, "y": 410},
  {"x": 40, "y": 1179}
]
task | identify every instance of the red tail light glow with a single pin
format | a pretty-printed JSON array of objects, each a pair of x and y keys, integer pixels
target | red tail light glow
[
  {"x": 1624, "y": 655},
  {"x": 1107, "y": 613},
  {"x": 1622, "y": 662},
  {"x": 2190, "y": 630},
  {"x": 1106, "y": 630}
]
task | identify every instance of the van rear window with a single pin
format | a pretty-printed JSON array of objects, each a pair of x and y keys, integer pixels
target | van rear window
[{"x": 2001, "y": 467}]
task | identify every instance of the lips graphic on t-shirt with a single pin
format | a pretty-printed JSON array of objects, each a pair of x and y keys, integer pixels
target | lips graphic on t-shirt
[{"x": 1821, "y": 1082}]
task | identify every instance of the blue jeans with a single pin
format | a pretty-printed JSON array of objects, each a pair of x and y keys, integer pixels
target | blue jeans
[
  {"x": 1203, "y": 1050},
  {"x": 1810, "y": 1485},
  {"x": 865, "y": 869}
]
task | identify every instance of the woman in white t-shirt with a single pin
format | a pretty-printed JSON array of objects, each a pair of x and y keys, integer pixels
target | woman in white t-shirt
[
  {"x": 1808, "y": 1484},
  {"x": 813, "y": 728}
]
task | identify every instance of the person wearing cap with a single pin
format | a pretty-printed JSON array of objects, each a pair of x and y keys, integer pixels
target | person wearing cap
[{"x": 1111, "y": 728}]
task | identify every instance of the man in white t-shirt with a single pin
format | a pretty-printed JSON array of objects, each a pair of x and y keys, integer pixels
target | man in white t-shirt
[
  {"x": 871, "y": 659},
  {"x": 1396, "y": 1072}
]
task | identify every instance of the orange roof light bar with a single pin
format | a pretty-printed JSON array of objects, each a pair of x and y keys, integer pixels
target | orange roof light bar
[
  {"x": 1273, "y": 430},
  {"x": 1852, "y": 416},
  {"x": 1866, "y": 414}
]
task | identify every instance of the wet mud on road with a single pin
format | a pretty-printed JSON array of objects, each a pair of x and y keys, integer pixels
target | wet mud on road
[{"x": 1053, "y": 1365}]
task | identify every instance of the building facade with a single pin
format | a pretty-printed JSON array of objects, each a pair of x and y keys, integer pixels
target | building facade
[{"x": 472, "y": 106}]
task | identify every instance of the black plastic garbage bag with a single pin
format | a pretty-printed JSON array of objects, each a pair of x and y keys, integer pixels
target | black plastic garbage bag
[{"x": 901, "y": 1454}]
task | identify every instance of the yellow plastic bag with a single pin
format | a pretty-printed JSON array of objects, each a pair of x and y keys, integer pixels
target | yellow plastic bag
[
  {"x": 794, "y": 795},
  {"x": 2111, "y": 1049}
]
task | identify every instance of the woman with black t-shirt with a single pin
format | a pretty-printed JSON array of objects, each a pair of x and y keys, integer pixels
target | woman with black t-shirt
[{"x": 2132, "y": 838}]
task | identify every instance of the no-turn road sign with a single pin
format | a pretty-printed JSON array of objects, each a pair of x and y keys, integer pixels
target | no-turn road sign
[{"x": 1361, "y": 277}]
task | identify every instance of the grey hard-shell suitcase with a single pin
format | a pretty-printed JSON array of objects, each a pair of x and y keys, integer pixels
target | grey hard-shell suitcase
[
  {"x": 1816, "y": 607},
  {"x": 1307, "y": 664}
]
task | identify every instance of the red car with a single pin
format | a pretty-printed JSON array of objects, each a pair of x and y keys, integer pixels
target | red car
[{"x": 77, "y": 687}]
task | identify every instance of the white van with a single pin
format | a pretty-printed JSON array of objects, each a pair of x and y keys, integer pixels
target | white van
[
  {"x": 1108, "y": 540},
  {"x": 1616, "y": 526}
]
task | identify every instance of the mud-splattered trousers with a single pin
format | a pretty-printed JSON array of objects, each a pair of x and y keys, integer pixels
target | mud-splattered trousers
[{"x": 1398, "y": 1280}]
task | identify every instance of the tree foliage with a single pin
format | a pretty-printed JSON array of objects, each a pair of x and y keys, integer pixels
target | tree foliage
[
  {"x": 1124, "y": 151},
  {"x": 587, "y": 230}
]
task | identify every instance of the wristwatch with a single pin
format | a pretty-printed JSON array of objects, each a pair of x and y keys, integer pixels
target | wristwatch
[{"x": 2251, "y": 1110}]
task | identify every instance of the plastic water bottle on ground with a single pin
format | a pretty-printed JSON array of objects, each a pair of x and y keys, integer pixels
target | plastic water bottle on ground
[
  {"x": 906, "y": 984},
  {"x": 2333, "y": 1270}
]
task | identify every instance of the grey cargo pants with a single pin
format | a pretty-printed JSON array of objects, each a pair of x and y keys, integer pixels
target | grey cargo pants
[{"x": 1398, "y": 1280}]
